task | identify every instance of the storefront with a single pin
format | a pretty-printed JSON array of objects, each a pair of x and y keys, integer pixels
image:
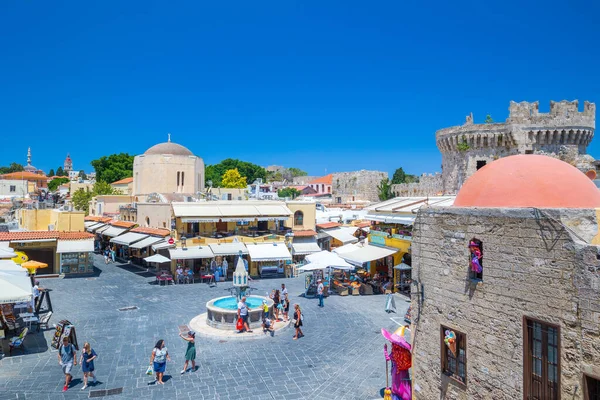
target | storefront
[
  {"x": 268, "y": 258},
  {"x": 123, "y": 242},
  {"x": 142, "y": 249},
  {"x": 75, "y": 256},
  {"x": 196, "y": 258},
  {"x": 228, "y": 252}
]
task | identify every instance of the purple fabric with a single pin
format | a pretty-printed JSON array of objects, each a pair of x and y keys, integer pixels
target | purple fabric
[{"x": 475, "y": 265}]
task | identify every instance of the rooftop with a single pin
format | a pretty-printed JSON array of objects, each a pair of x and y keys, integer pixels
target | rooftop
[
  {"x": 328, "y": 225},
  {"x": 152, "y": 231},
  {"x": 42, "y": 235},
  {"x": 327, "y": 179},
  {"x": 123, "y": 224},
  {"x": 97, "y": 219},
  {"x": 23, "y": 175},
  {"x": 305, "y": 233},
  {"x": 123, "y": 181},
  {"x": 169, "y": 148}
]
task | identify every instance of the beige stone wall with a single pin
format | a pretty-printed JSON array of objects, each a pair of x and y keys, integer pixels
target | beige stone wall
[
  {"x": 154, "y": 215},
  {"x": 108, "y": 204},
  {"x": 41, "y": 220},
  {"x": 534, "y": 267},
  {"x": 349, "y": 187},
  {"x": 157, "y": 173},
  {"x": 310, "y": 215}
]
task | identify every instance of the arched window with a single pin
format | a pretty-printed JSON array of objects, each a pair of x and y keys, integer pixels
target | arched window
[
  {"x": 299, "y": 218},
  {"x": 182, "y": 178},
  {"x": 148, "y": 221},
  {"x": 177, "y": 178}
]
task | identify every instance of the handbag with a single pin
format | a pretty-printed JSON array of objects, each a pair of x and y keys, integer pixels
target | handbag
[
  {"x": 149, "y": 370},
  {"x": 239, "y": 325}
]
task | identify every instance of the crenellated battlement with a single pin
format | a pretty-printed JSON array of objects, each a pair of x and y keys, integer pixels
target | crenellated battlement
[{"x": 562, "y": 111}]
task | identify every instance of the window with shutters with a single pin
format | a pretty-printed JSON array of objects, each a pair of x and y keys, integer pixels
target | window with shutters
[{"x": 541, "y": 369}]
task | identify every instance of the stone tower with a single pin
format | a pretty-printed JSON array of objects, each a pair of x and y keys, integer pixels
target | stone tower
[
  {"x": 564, "y": 133},
  {"x": 68, "y": 167}
]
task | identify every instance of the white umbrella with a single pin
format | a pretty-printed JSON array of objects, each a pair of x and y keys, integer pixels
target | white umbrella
[
  {"x": 157, "y": 258},
  {"x": 328, "y": 259},
  {"x": 10, "y": 265},
  {"x": 7, "y": 252},
  {"x": 14, "y": 288},
  {"x": 312, "y": 267}
]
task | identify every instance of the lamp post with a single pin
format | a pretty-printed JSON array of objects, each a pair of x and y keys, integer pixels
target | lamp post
[{"x": 209, "y": 190}]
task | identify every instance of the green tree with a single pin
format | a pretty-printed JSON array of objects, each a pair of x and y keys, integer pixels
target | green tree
[
  {"x": 399, "y": 176},
  {"x": 385, "y": 190},
  {"x": 488, "y": 119},
  {"x": 297, "y": 172},
  {"x": 463, "y": 145},
  {"x": 113, "y": 168},
  {"x": 51, "y": 173},
  {"x": 60, "y": 172},
  {"x": 13, "y": 167},
  {"x": 82, "y": 175},
  {"x": 233, "y": 179},
  {"x": 251, "y": 171},
  {"x": 81, "y": 200},
  {"x": 289, "y": 192},
  {"x": 55, "y": 183}
]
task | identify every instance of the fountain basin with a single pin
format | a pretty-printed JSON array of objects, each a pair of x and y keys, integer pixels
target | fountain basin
[{"x": 222, "y": 312}]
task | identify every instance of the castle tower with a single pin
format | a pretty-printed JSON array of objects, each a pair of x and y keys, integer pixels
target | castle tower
[{"x": 68, "y": 167}]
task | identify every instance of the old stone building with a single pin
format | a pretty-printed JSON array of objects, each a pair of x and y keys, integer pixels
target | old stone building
[
  {"x": 506, "y": 286},
  {"x": 564, "y": 133},
  {"x": 356, "y": 186},
  {"x": 428, "y": 185}
]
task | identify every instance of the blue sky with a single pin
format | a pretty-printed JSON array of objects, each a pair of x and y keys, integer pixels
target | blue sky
[{"x": 324, "y": 86}]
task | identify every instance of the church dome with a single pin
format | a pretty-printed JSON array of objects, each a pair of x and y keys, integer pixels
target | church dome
[
  {"x": 524, "y": 181},
  {"x": 169, "y": 148}
]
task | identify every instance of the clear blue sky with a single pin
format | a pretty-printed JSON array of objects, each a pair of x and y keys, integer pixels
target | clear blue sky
[{"x": 320, "y": 85}]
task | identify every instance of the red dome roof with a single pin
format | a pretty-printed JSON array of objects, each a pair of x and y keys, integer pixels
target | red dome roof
[{"x": 529, "y": 181}]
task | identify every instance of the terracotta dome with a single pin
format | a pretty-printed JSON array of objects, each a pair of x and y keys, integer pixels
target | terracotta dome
[
  {"x": 169, "y": 148},
  {"x": 530, "y": 180}
]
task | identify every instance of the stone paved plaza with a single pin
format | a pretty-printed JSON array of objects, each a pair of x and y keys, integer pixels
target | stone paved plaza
[{"x": 341, "y": 356}]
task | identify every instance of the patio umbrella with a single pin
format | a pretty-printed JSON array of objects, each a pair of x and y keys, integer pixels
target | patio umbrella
[
  {"x": 10, "y": 265},
  {"x": 157, "y": 258},
  {"x": 312, "y": 267},
  {"x": 7, "y": 252},
  {"x": 14, "y": 288},
  {"x": 33, "y": 266}
]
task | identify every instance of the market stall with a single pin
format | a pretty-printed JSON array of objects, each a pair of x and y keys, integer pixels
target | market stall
[
  {"x": 226, "y": 255},
  {"x": 76, "y": 256},
  {"x": 123, "y": 243},
  {"x": 268, "y": 258}
]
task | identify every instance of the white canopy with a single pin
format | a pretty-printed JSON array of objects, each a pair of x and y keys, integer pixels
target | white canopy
[
  {"x": 95, "y": 226},
  {"x": 367, "y": 253},
  {"x": 14, "y": 287},
  {"x": 75, "y": 246},
  {"x": 128, "y": 238},
  {"x": 113, "y": 231},
  {"x": 268, "y": 252},
  {"x": 305, "y": 248},
  {"x": 162, "y": 245},
  {"x": 7, "y": 252},
  {"x": 157, "y": 258},
  {"x": 228, "y": 249},
  {"x": 345, "y": 249},
  {"x": 329, "y": 260},
  {"x": 312, "y": 267},
  {"x": 10, "y": 265},
  {"x": 87, "y": 224},
  {"x": 191, "y": 253},
  {"x": 342, "y": 235},
  {"x": 150, "y": 240}
]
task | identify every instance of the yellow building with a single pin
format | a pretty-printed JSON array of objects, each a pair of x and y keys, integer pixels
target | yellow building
[
  {"x": 304, "y": 215},
  {"x": 51, "y": 220}
]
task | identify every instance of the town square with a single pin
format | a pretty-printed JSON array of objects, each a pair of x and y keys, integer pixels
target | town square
[{"x": 293, "y": 200}]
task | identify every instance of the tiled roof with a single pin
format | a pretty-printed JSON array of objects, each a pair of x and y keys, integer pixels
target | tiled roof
[
  {"x": 123, "y": 181},
  {"x": 41, "y": 235},
  {"x": 56, "y": 177},
  {"x": 97, "y": 218},
  {"x": 152, "y": 231},
  {"x": 24, "y": 175},
  {"x": 365, "y": 224},
  {"x": 328, "y": 225},
  {"x": 327, "y": 179},
  {"x": 123, "y": 224},
  {"x": 305, "y": 233}
]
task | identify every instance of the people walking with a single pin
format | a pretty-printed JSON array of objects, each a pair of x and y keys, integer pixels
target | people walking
[
  {"x": 106, "y": 256},
  {"x": 276, "y": 300},
  {"x": 37, "y": 292},
  {"x": 190, "y": 353},
  {"x": 243, "y": 314},
  {"x": 159, "y": 359},
  {"x": 67, "y": 357},
  {"x": 320, "y": 289},
  {"x": 113, "y": 254},
  {"x": 286, "y": 308},
  {"x": 88, "y": 355},
  {"x": 298, "y": 322}
]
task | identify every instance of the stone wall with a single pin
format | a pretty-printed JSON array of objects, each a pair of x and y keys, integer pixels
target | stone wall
[
  {"x": 303, "y": 180},
  {"x": 564, "y": 133},
  {"x": 348, "y": 187},
  {"x": 537, "y": 264},
  {"x": 428, "y": 185}
]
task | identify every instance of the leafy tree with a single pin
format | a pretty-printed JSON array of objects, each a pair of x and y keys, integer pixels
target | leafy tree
[
  {"x": 13, "y": 167},
  {"x": 488, "y": 119},
  {"x": 82, "y": 175},
  {"x": 297, "y": 172},
  {"x": 463, "y": 145},
  {"x": 401, "y": 177},
  {"x": 289, "y": 192},
  {"x": 60, "y": 172},
  {"x": 113, "y": 168},
  {"x": 385, "y": 190},
  {"x": 81, "y": 198},
  {"x": 233, "y": 179},
  {"x": 55, "y": 183},
  {"x": 51, "y": 173},
  {"x": 251, "y": 171}
]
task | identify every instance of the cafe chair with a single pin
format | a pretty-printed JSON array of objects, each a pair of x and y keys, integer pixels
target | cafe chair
[
  {"x": 17, "y": 341},
  {"x": 44, "y": 321}
]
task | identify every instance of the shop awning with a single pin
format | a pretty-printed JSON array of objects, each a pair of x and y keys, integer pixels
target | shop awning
[
  {"x": 402, "y": 267},
  {"x": 95, "y": 226},
  {"x": 268, "y": 252},
  {"x": 162, "y": 245},
  {"x": 149, "y": 241},
  {"x": 87, "y": 224},
  {"x": 228, "y": 249},
  {"x": 75, "y": 246},
  {"x": 391, "y": 219},
  {"x": 301, "y": 249},
  {"x": 15, "y": 287},
  {"x": 101, "y": 229},
  {"x": 191, "y": 253},
  {"x": 342, "y": 235},
  {"x": 367, "y": 253},
  {"x": 113, "y": 231},
  {"x": 128, "y": 238}
]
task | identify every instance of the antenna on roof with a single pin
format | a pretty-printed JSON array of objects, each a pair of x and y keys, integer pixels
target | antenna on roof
[{"x": 169, "y": 137}]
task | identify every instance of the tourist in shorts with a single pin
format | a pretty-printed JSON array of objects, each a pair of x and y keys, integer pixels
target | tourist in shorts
[
  {"x": 190, "y": 352},
  {"x": 286, "y": 308},
  {"x": 67, "y": 357},
  {"x": 243, "y": 314},
  {"x": 276, "y": 300},
  {"x": 298, "y": 321},
  {"x": 88, "y": 355},
  {"x": 267, "y": 325},
  {"x": 320, "y": 290},
  {"x": 159, "y": 359}
]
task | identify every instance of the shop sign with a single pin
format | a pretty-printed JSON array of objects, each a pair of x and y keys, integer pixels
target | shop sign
[
  {"x": 402, "y": 237},
  {"x": 377, "y": 240},
  {"x": 379, "y": 234}
]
